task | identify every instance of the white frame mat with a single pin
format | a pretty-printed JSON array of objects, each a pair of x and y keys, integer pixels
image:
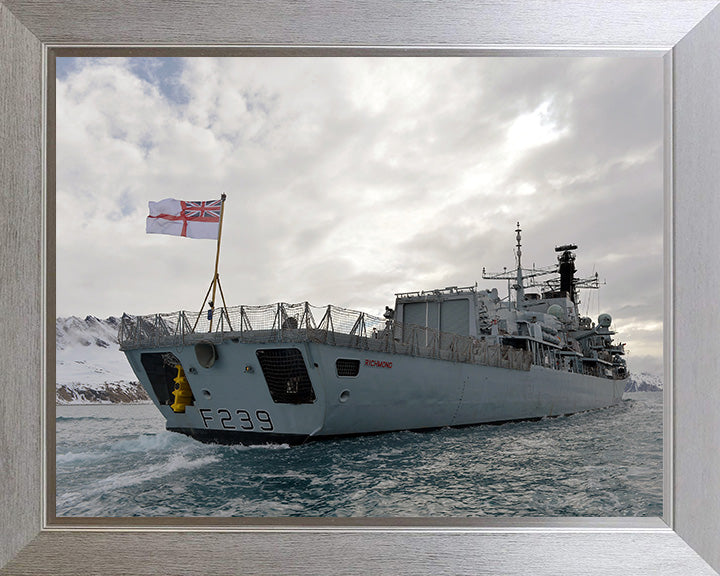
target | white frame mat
[{"x": 686, "y": 33}]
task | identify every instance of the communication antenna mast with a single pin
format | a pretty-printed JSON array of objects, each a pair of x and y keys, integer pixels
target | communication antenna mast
[
  {"x": 519, "y": 287},
  {"x": 517, "y": 278}
]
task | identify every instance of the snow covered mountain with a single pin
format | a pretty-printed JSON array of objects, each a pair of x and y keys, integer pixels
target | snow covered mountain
[
  {"x": 643, "y": 382},
  {"x": 89, "y": 366}
]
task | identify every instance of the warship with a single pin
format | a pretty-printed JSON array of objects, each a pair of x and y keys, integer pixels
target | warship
[{"x": 455, "y": 356}]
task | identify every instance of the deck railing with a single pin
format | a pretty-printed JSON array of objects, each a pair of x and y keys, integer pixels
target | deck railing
[{"x": 332, "y": 325}]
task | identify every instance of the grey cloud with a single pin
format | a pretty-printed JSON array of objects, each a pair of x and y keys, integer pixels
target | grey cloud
[{"x": 345, "y": 186}]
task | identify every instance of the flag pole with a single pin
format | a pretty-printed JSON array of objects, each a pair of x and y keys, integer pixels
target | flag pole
[{"x": 217, "y": 261}]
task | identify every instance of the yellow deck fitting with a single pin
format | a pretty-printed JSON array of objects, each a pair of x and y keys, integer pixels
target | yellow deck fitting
[{"x": 182, "y": 393}]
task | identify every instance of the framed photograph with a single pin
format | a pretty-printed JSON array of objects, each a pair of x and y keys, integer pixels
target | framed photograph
[
  {"x": 34, "y": 535},
  {"x": 393, "y": 188}
]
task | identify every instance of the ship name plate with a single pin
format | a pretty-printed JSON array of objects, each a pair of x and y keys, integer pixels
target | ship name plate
[{"x": 378, "y": 363}]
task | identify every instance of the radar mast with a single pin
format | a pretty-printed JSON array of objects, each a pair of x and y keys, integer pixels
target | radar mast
[
  {"x": 519, "y": 275},
  {"x": 519, "y": 284}
]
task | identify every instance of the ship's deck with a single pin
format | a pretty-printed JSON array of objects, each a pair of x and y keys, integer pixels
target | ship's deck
[{"x": 295, "y": 323}]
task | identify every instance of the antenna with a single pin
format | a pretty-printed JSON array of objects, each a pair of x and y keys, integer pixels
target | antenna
[{"x": 519, "y": 279}]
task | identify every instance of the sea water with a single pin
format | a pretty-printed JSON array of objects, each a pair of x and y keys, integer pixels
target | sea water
[{"x": 118, "y": 460}]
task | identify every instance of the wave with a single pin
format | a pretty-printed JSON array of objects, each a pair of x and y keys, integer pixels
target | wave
[
  {"x": 72, "y": 457},
  {"x": 243, "y": 448},
  {"x": 175, "y": 463},
  {"x": 162, "y": 441},
  {"x": 599, "y": 463}
]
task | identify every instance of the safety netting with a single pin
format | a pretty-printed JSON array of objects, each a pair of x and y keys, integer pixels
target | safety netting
[{"x": 332, "y": 325}]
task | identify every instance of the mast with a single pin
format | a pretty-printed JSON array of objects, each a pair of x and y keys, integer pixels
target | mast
[
  {"x": 518, "y": 275},
  {"x": 566, "y": 269},
  {"x": 216, "y": 280},
  {"x": 519, "y": 279},
  {"x": 567, "y": 284}
]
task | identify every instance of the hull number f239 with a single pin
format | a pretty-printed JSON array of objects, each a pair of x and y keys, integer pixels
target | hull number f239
[
  {"x": 238, "y": 420},
  {"x": 378, "y": 363}
]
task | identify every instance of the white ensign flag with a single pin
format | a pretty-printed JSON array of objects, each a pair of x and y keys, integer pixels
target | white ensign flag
[{"x": 181, "y": 218}]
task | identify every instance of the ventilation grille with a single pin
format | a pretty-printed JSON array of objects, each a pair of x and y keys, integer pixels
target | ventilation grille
[
  {"x": 347, "y": 368},
  {"x": 286, "y": 376}
]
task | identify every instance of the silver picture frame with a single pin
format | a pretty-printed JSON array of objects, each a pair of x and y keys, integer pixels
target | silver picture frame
[{"x": 685, "y": 33}]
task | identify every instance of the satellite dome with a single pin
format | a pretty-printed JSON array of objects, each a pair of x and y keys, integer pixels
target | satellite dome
[
  {"x": 604, "y": 320},
  {"x": 555, "y": 310}
]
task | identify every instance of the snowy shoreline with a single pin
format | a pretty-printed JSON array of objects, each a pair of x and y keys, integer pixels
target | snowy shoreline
[
  {"x": 120, "y": 392},
  {"x": 90, "y": 368}
]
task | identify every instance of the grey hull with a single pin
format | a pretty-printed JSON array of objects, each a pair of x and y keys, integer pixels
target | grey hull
[{"x": 232, "y": 402}]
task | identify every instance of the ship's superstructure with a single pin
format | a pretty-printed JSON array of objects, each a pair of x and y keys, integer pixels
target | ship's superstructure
[{"x": 446, "y": 357}]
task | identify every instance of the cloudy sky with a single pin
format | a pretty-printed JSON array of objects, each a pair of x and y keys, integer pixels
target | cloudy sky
[{"x": 351, "y": 179}]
